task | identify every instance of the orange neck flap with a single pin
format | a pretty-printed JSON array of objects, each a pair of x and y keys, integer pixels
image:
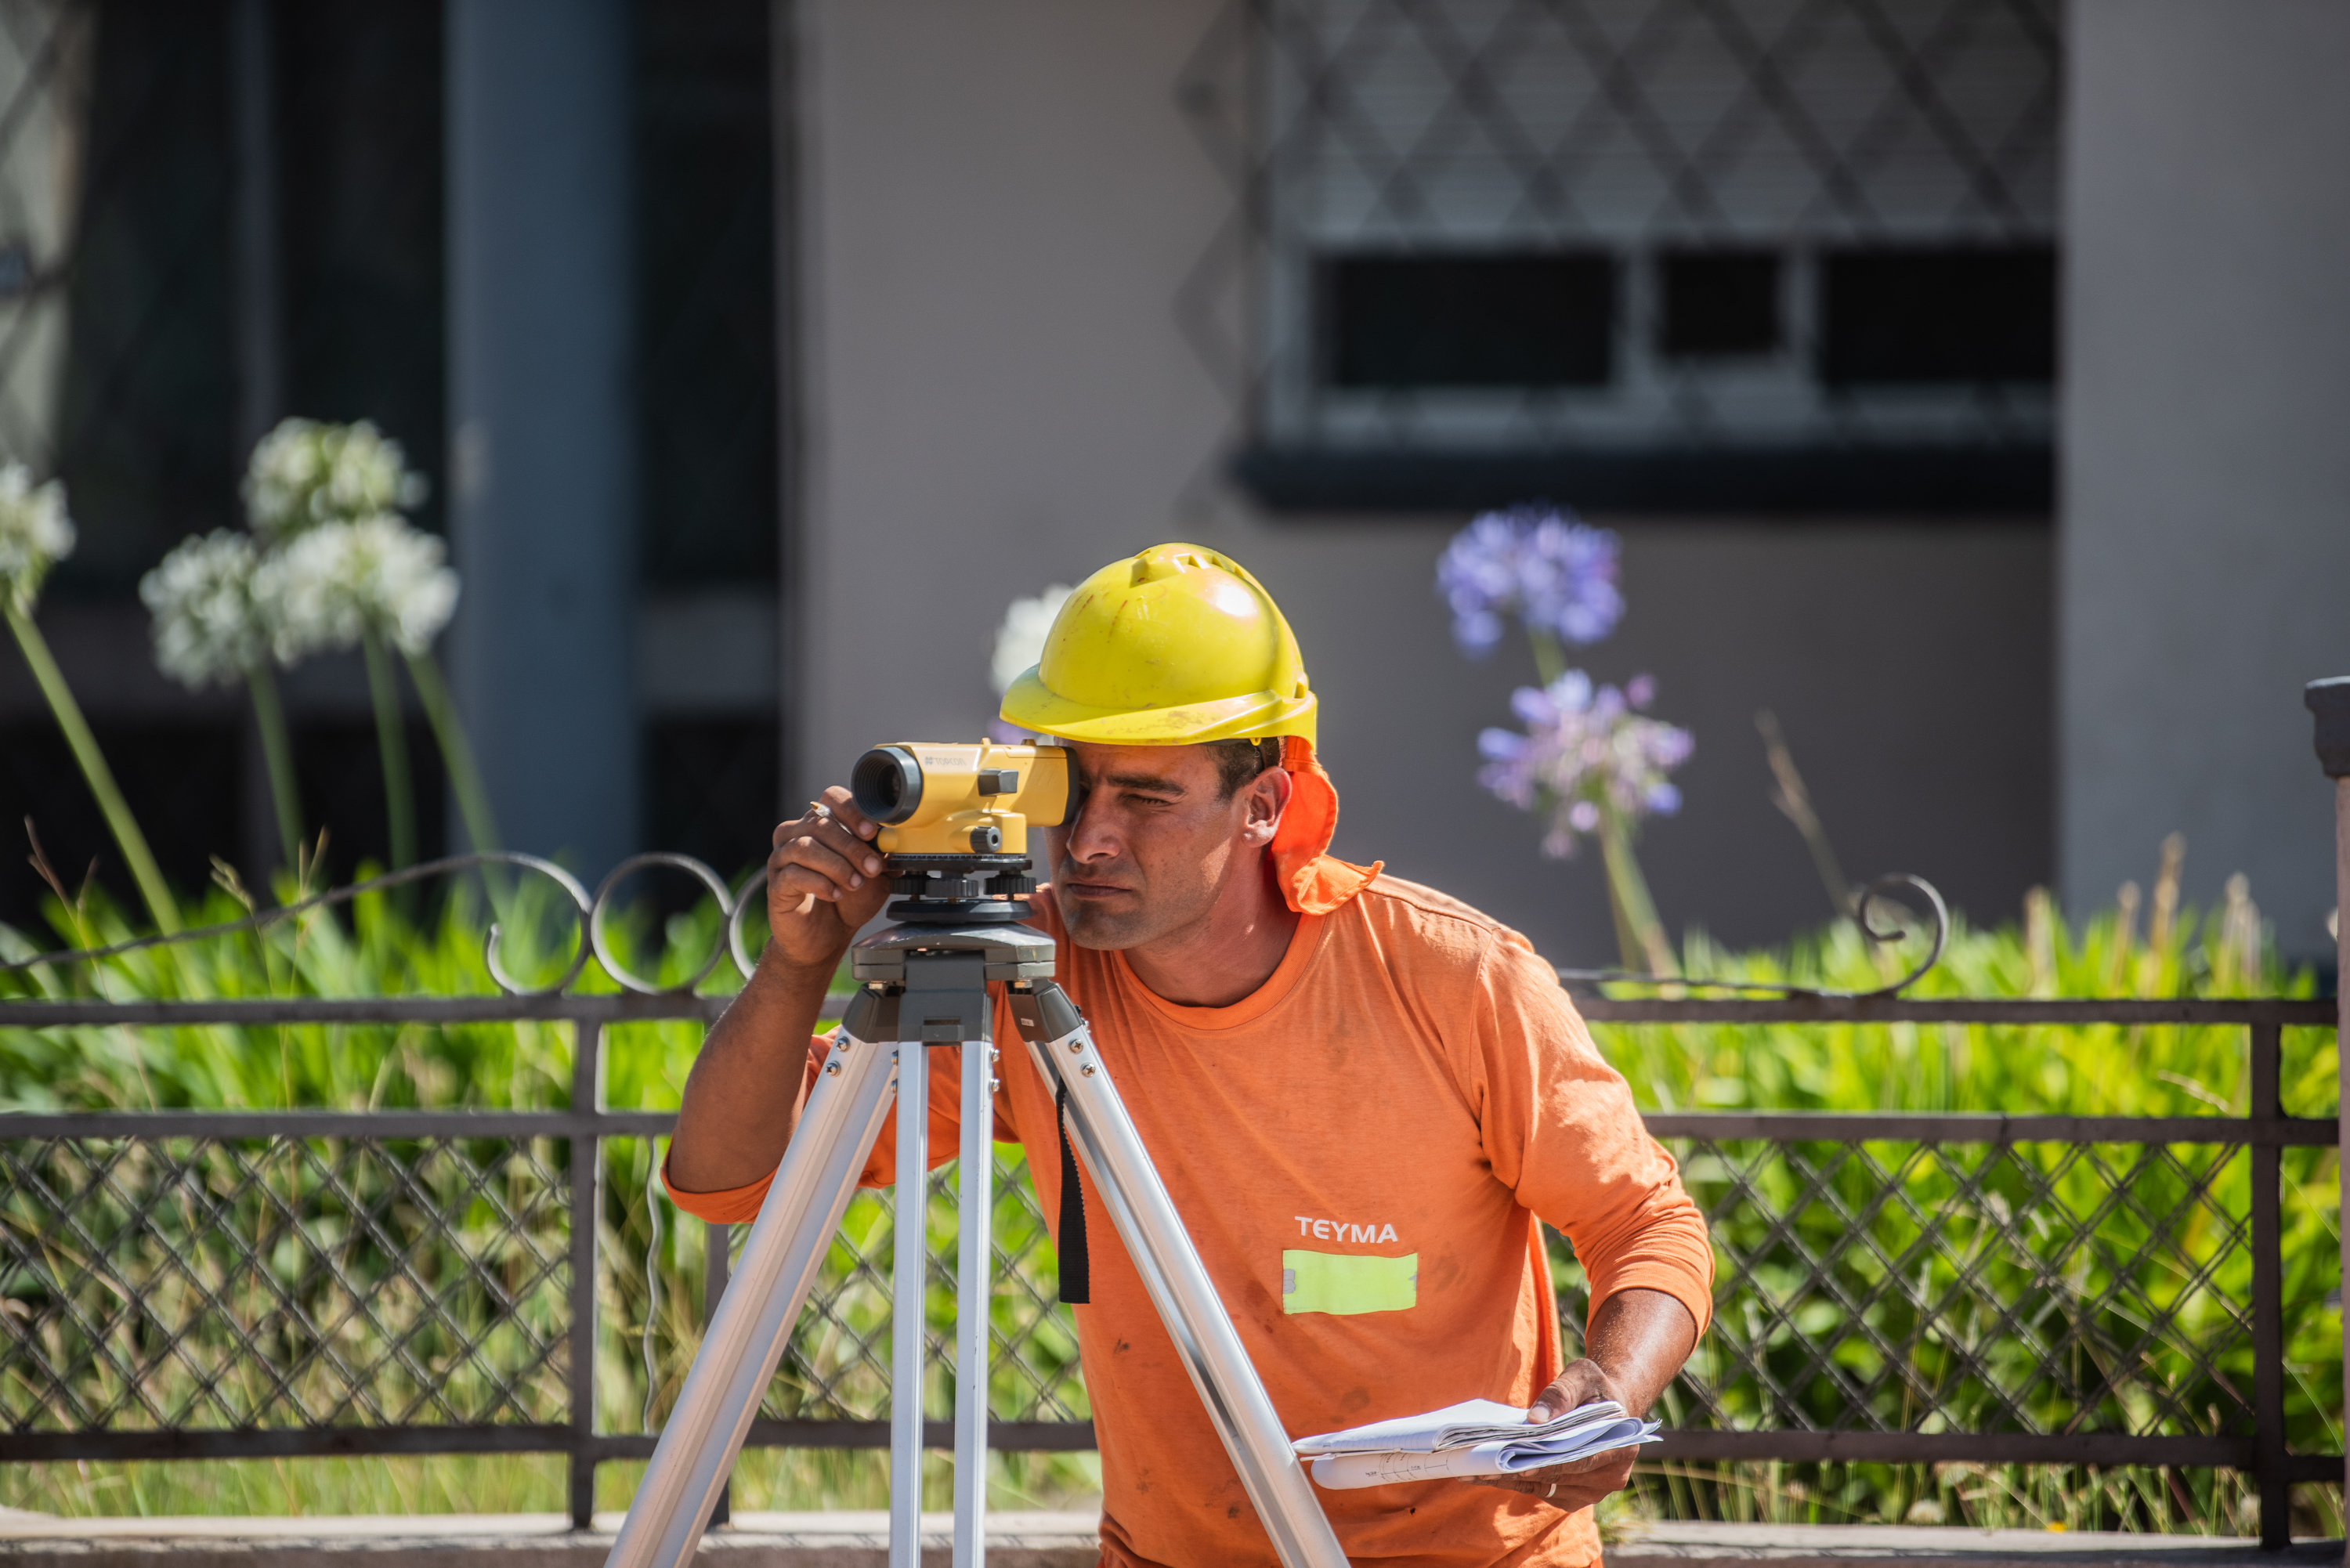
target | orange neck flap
[{"x": 1313, "y": 881}]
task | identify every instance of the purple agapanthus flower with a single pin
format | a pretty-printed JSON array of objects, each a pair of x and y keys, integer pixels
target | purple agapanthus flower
[
  {"x": 1542, "y": 564},
  {"x": 1585, "y": 750}
]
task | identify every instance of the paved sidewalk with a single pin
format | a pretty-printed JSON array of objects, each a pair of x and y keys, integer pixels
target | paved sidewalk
[
  {"x": 1849, "y": 1545},
  {"x": 845, "y": 1540},
  {"x": 830, "y": 1539}
]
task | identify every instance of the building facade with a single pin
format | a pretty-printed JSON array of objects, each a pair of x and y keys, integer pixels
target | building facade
[{"x": 1956, "y": 389}]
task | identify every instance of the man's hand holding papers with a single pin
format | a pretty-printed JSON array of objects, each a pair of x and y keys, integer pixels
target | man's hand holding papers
[{"x": 1472, "y": 1440}]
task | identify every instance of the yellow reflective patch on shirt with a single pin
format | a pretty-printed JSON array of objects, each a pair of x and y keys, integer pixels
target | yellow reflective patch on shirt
[{"x": 1336, "y": 1282}]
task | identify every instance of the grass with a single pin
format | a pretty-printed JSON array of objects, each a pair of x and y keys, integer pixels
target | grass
[
  {"x": 380, "y": 947},
  {"x": 765, "y": 1480}
]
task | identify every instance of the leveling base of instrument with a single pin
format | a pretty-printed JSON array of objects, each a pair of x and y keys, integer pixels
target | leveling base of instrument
[{"x": 926, "y": 984}]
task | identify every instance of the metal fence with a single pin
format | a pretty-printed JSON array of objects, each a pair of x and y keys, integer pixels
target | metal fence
[{"x": 1894, "y": 1288}]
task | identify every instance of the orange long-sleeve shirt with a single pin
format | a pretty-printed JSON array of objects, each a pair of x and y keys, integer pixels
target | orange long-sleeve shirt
[{"x": 1359, "y": 1150}]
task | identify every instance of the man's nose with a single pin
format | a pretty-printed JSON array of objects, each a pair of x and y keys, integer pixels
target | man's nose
[{"x": 1090, "y": 837}]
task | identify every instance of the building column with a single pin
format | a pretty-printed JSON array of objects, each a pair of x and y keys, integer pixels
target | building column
[
  {"x": 542, "y": 468},
  {"x": 2204, "y": 543}
]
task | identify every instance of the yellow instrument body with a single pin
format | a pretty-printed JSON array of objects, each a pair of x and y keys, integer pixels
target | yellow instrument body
[{"x": 935, "y": 799}]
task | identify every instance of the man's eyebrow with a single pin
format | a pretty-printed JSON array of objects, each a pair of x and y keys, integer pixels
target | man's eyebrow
[{"x": 1151, "y": 782}]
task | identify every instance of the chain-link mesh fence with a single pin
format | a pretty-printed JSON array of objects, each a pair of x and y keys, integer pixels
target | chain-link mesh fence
[{"x": 2107, "y": 1291}]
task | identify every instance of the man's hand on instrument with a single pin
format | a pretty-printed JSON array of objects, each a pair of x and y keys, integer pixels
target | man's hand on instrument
[
  {"x": 824, "y": 880},
  {"x": 1584, "y": 1481}
]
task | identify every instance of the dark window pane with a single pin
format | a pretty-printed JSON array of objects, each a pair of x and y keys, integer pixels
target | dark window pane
[
  {"x": 1719, "y": 302},
  {"x": 143, "y": 439},
  {"x": 179, "y": 780},
  {"x": 359, "y": 203},
  {"x": 711, "y": 787},
  {"x": 1928, "y": 316},
  {"x": 1524, "y": 321},
  {"x": 705, "y": 292},
  {"x": 340, "y": 776}
]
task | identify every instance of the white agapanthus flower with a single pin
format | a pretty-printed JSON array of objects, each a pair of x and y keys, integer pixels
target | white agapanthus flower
[
  {"x": 1020, "y": 640},
  {"x": 35, "y": 533},
  {"x": 326, "y": 586},
  {"x": 208, "y": 628},
  {"x": 305, "y": 474}
]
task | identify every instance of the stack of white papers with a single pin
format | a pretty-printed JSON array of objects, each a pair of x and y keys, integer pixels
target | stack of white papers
[{"x": 1474, "y": 1437}]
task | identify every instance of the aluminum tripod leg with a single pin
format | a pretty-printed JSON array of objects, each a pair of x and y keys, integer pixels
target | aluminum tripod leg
[
  {"x": 909, "y": 1270},
  {"x": 974, "y": 1276},
  {"x": 738, "y": 1356},
  {"x": 1146, "y": 1220},
  {"x": 974, "y": 1254},
  {"x": 940, "y": 998}
]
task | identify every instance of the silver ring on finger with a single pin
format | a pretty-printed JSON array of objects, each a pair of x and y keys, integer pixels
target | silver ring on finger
[{"x": 817, "y": 808}]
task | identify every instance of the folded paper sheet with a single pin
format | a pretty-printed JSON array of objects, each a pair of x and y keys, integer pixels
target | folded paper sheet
[{"x": 1475, "y": 1438}]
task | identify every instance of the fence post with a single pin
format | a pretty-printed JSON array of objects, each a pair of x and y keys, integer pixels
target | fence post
[
  {"x": 587, "y": 1222},
  {"x": 2268, "y": 1292},
  {"x": 2330, "y": 700}
]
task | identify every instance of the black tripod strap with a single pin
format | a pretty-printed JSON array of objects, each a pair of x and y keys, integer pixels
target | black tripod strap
[{"x": 1077, "y": 1273}]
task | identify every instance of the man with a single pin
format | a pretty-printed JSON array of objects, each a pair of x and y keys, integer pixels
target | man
[{"x": 1359, "y": 1093}]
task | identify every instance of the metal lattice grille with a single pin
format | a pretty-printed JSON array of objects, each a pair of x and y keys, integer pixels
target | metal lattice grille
[
  {"x": 1629, "y": 128},
  {"x": 838, "y": 1364},
  {"x": 836, "y": 1368},
  {"x": 181, "y": 1283},
  {"x": 1892, "y": 1288},
  {"x": 2009, "y": 1288},
  {"x": 202, "y": 1283}
]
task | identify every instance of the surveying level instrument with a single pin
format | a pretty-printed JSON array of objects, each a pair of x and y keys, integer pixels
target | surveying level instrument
[{"x": 954, "y": 836}]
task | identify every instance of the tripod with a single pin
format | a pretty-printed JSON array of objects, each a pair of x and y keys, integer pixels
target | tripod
[{"x": 925, "y": 984}]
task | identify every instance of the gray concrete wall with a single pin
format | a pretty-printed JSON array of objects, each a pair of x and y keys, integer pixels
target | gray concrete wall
[
  {"x": 2204, "y": 555},
  {"x": 1003, "y": 203}
]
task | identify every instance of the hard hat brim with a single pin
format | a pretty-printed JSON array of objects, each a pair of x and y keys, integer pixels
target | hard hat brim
[{"x": 1032, "y": 705}]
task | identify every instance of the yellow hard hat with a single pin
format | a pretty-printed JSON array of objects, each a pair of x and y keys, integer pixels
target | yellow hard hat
[{"x": 1176, "y": 646}]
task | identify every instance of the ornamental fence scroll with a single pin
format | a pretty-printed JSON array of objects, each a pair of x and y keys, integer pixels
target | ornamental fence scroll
[{"x": 1891, "y": 1288}]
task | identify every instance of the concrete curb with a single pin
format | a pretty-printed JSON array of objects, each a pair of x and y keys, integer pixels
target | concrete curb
[
  {"x": 860, "y": 1539},
  {"x": 1915, "y": 1546},
  {"x": 838, "y": 1539}
]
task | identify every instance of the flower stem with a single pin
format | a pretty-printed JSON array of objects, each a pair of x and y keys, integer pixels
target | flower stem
[
  {"x": 277, "y": 749},
  {"x": 1638, "y": 932},
  {"x": 456, "y": 754},
  {"x": 1550, "y": 655},
  {"x": 1794, "y": 804},
  {"x": 391, "y": 742},
  {"x": 94, "y": 771}
]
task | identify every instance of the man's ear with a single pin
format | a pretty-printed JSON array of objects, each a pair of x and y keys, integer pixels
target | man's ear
[{"x": 1267, "y": 798}]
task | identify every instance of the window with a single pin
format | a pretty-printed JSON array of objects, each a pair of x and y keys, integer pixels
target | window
[
  {"x": 1651, "y": 231},
  {"x": 1915, "y": 317},
  {"x": 1718, "y": 304},
  {"x": 1528, "y": 320}
]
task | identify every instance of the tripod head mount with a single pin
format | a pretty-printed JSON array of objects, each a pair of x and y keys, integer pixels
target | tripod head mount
[
  {"x": 958, "y": 889},
  {"x": 1003, "y": 949}
]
